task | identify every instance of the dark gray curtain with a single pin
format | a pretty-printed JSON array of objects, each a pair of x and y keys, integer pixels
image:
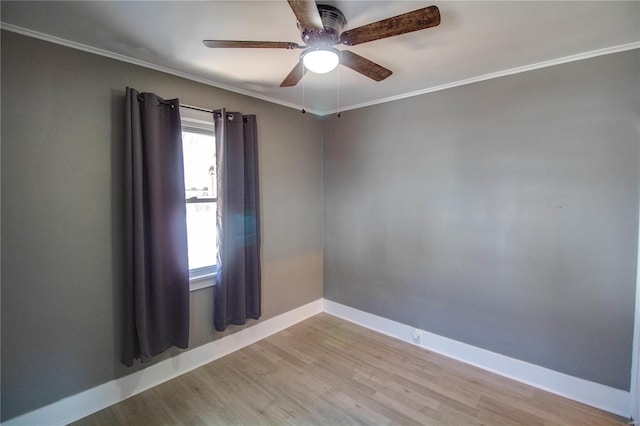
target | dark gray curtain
[
  {"x": 157, "y": 271},
  {"x": 237, "y": 292}
]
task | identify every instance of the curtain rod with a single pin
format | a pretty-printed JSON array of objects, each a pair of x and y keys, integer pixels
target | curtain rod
[
  {"x": 211, "y": 111},
  {"x": 229, "y": 116},
  {"x": 163, "y": 102},
  {"x": 196, "y": 108}
]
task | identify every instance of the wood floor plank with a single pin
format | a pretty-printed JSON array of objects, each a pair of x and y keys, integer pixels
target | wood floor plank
[{"x": 327, "y": 371}]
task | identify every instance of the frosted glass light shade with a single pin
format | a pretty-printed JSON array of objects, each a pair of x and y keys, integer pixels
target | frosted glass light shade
[{"x": 320, "y": 61}]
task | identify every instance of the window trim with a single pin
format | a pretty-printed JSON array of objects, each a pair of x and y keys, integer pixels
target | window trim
[
  {"x": 199, "y": 122},
  {"x": 200, "y": 278},
  {"x": 198, "y": 200}
]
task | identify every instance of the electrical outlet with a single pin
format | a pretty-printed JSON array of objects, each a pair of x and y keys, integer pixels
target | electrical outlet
[{"x": 416, "y": 334}]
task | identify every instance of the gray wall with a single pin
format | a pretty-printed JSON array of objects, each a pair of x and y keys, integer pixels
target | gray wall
[
  {"x": 62, "y": 266},
  {"x": 503, "y": 214}
]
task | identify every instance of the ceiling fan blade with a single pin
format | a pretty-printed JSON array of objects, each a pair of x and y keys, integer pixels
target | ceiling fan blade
[
  {"x": 294, "y": 76},
  {"x": 364, "y": 66},
  {"x": 411, "y": 21},
  {"x": 306, "y": 12},
  {"x": 251, "y": 44}
]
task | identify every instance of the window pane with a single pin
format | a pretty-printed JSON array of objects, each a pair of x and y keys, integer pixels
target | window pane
[
  {"x": 199, "y": 153},
  {"x": 200, "y": 182},
  {"x": 202, "y": 234}
]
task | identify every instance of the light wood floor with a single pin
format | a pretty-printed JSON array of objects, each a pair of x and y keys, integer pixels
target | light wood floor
[{"x": 327, "y": 371}]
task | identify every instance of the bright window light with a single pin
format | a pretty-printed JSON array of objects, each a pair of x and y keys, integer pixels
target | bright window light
[{"x": 199, "y": 154}]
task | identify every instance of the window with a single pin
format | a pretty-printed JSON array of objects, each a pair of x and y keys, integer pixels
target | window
[{"x": 199, "y": 154}]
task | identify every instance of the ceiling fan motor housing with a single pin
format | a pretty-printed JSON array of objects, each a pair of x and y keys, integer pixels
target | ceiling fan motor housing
[{"x": 332, "y": 20}]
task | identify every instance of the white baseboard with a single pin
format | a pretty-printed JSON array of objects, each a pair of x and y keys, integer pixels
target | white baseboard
[
  {"x": 85, "y": 403},
  {"x": 88, "y": 402},
  {"x": 604, "y": 397}
]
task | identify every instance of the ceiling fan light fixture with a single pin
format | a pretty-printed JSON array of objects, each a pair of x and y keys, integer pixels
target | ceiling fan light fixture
[{"x": 321, "y": 60}]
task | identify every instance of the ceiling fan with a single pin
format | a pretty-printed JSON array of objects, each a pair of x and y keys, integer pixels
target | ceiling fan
[{"x": 321, "y": 29}]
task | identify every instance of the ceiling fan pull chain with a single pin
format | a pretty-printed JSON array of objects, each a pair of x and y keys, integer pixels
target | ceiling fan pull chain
[
  {"x": 303, "y": 87},
  {"x": 338, "y": 109}
]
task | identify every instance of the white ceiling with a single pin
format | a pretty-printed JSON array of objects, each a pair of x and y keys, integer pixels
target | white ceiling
[{"x": 475, "y": 40}]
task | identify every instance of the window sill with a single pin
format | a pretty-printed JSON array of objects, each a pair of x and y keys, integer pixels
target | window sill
[
  {"x": 202, "y": 278},
  {"x": 200, "y": 283}
]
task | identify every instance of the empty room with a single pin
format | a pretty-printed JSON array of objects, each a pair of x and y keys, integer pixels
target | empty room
[{"x": 320, "y": 212}]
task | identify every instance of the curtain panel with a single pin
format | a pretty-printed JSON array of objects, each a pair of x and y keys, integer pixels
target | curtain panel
[
  {"x": 238, "y": 278},
  {"x": 157, "y": 269}
]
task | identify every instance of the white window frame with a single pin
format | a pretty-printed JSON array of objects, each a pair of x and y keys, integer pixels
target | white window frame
[{"x": 195, "y": 121}]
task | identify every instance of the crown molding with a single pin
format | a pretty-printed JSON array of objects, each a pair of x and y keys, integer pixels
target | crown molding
[
  {"x": 156, "y": 67},
  {"x": 123, "y": 58},
  {"x": 490, "y": 76}
]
